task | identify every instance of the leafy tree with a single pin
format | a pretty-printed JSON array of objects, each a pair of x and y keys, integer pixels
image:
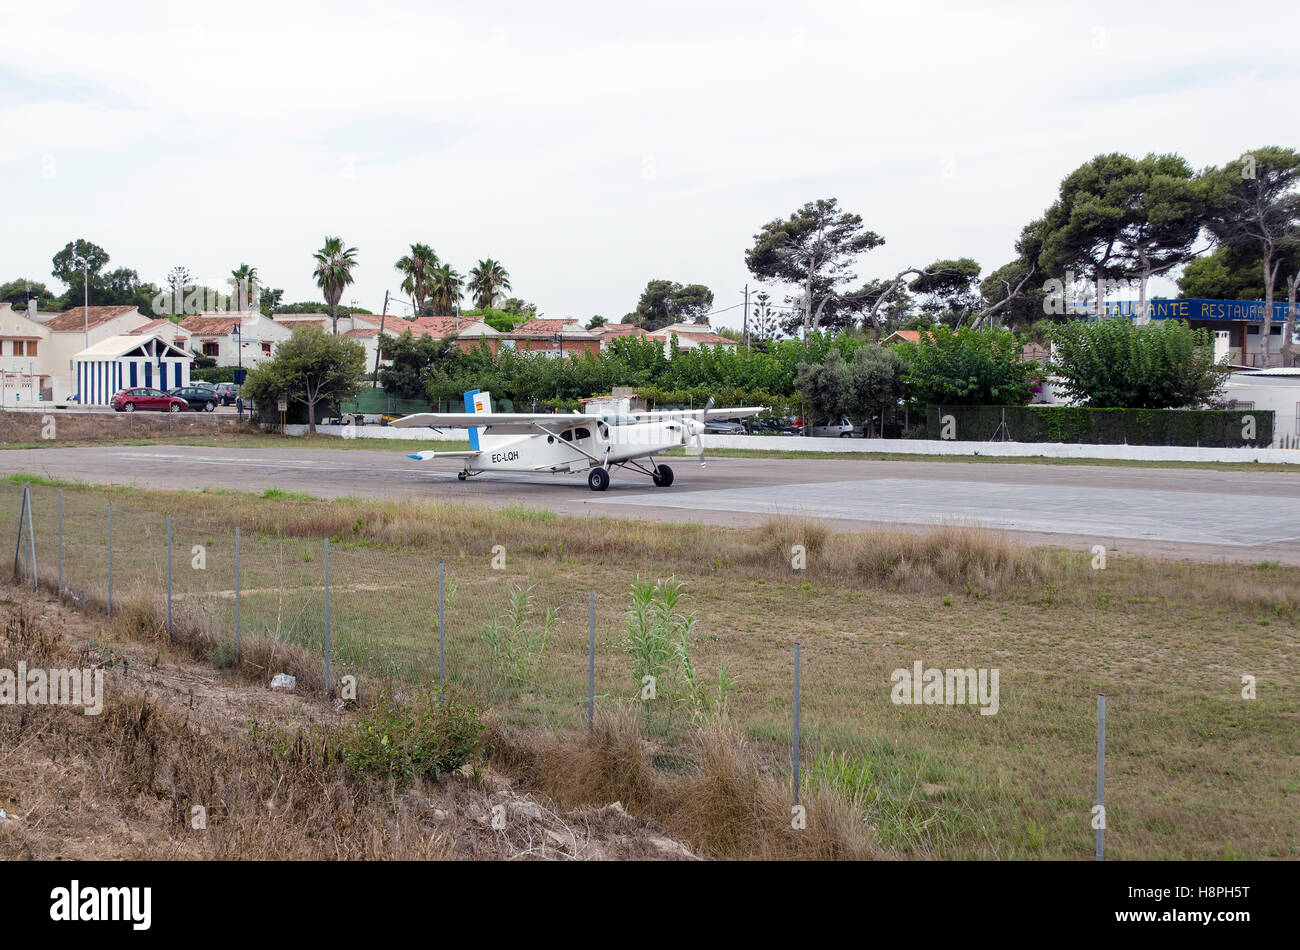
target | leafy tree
[
  {"x": 666, "y": 301},
  {"x": 312, "y": 368},
  {"x": 949, "y": 290},
  {"x": 334, "y": 264},
  {"x": 18, "y": 292},
  {"x": 596, "y": 322},
  {"x": 487, "y": 279},
  {"x": 876, "y": 384},
  {"x": 68, "y": 263},
  {"x": 864, "y": 386},
  {"x": 815, "y": 247},
  {"x": 1119, "y": 217},
  {"x": 520, "y": 308},
  {"x": 968, "y": 368},
  {"x": 417, "y": 270},
  {"x": 691, "y": 303},
  {"x": 412, "y": 360},
  {"x": 1124, "y": 365},
  {"x": 1254, "y": 202}
]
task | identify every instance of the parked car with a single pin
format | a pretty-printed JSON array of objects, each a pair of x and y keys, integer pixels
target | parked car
[
  {"x": 844, "y": 429},
  {"x": 200, "y": 400},
  {"x": 129, "y": 400},
  {"x": 227, "y": 393},
  {"x": 723, "y": 427}
]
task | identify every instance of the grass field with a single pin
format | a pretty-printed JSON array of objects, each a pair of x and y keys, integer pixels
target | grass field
[{"x": 1194, "y": 770}]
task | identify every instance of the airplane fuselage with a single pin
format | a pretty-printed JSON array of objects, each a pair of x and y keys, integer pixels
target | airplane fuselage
[{"x": 567, "y": 447}]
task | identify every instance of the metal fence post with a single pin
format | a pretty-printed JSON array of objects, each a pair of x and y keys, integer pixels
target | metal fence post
[
  {"x": 1101, "y": 776},
  {"x": 236, "y": 595},
  {"x": 169, "y": 578},
  {"x": 329, "y": 687},
  {"x": 110, "y": 566},
  {"x": 60, "y": 543},
  {"x": 796, "y": 724},
  {"x": 591, "y": 660},
  {"x": 442, "y": 627},
  {"x": 31, "y": 537}
]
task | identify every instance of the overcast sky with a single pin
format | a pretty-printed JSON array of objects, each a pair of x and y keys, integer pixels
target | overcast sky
[{"x": 592, "y": 146}]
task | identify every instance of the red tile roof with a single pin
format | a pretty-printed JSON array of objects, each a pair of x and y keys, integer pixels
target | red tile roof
[
  {"x": 210, "y": 326},
  {"x": 77, "y": 317},
  {"x": 547, "y": 325},
  {"x": 150, "y": 326}
]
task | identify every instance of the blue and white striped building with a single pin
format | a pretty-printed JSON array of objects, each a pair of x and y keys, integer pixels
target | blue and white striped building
[{"x": 127, "y": 361}]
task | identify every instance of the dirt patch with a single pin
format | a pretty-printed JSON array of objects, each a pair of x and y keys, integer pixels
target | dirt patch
[{"x": 175, "y": 735}]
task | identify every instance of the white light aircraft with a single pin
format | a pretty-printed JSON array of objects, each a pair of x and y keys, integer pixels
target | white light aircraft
[{"x": 577, "y": 442}]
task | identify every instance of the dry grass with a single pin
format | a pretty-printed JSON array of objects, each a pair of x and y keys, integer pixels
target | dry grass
[
  {"x": 125, "y": 783},
  {"x": 722, "y": 801},
  {"x": 143, "y": 764}
]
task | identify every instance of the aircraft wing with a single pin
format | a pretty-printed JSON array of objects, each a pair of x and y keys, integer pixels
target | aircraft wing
[
  {"x": 736, "y": 413},
  {"x": 498, "y": 422}
]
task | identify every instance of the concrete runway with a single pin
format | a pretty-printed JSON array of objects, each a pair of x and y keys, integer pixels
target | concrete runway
[{"x": 1184, "y": 513}]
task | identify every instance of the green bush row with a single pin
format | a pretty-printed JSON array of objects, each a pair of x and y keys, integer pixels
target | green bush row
[{"x": 1217, "y": 428}]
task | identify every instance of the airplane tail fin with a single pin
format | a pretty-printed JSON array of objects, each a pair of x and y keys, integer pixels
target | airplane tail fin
[{"x": 476, "y": 402}]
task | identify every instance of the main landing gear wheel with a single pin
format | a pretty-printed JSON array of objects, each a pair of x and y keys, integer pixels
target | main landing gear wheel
[
  {"x": 663, "y": 476},
  {"x": 462, "y": 476},
  {"x": 598, "y": 480}
]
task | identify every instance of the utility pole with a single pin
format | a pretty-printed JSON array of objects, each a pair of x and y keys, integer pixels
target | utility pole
[
  {"x": 745, "y": 324},
  {"x": 85, "y": 300},
  {"x": 379, "y": 343}
]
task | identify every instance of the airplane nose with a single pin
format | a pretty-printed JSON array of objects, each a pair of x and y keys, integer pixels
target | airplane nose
[{"x": 693, "y": 427}]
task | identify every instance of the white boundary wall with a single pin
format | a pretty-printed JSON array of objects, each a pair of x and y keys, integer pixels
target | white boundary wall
[{"x": 1060, "y": 450}]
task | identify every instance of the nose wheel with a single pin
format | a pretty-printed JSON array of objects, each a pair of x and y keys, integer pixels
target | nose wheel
[{"x": 662, "y": 477}]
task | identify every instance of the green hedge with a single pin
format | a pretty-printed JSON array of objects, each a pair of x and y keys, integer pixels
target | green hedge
[
  {"x": 214, "y": 374},
  {"x": 1215, "y": 428}
]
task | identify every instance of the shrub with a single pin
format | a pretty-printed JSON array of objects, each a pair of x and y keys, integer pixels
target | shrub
[
  {"x": 516, "y": 641},
  {"x": 1119, "y": 364},
  {"x": 429, "y": 738},
  {"x": 968, "y": 368}
]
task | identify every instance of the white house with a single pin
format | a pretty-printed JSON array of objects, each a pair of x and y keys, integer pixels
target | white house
[
  {"x": 234, "y": 337},
  {"x": 691, "y": 335},
  {"x": 127, "y": 361},
  {"x": 24, "y": 350},
  {"x": 73, "y": 330}
]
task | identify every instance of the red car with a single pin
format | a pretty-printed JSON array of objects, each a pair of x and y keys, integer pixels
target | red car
[{"x": 129, "y": 400}]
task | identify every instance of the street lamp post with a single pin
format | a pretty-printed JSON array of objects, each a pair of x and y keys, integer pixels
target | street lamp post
[{"x": 85, "y": 299}]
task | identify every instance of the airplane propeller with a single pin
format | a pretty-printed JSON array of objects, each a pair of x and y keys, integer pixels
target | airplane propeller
[{"x": 699, "y": 430}]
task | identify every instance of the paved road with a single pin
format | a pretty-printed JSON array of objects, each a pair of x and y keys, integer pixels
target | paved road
[{"x": 1202, "y": 514}]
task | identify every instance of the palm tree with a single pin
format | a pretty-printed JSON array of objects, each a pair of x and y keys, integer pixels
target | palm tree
[
  {"x": 333, "y": 272},
  {"x": 486, "y": 280},
  {"x": 244, "y": 278},
  {"x": 417, "y": 270},
  {"x": 446, "y": 288}
]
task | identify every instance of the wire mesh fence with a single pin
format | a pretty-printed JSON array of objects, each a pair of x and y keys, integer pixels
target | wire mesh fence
[{"x": 539, "y": 649}]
